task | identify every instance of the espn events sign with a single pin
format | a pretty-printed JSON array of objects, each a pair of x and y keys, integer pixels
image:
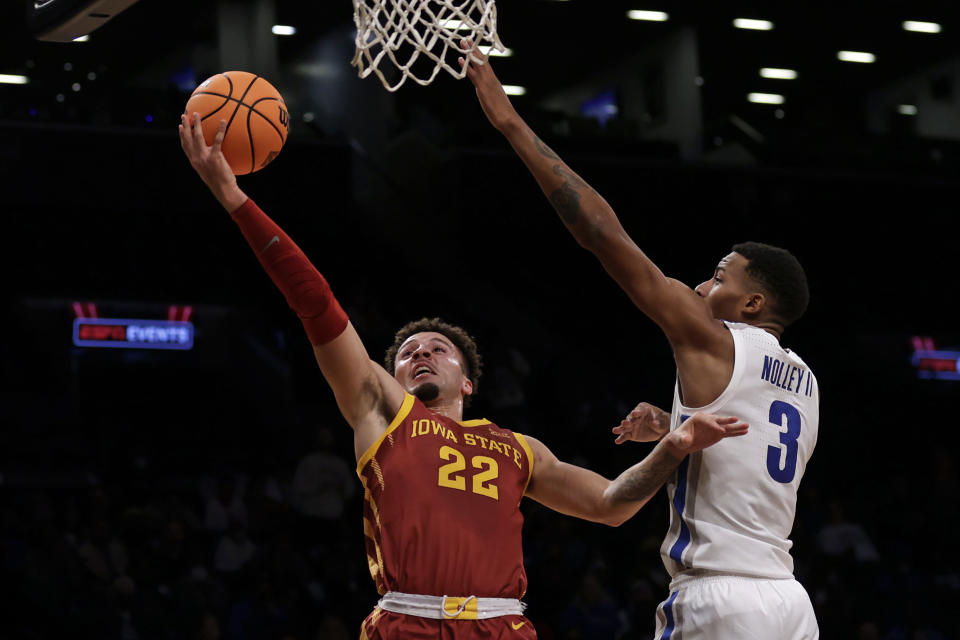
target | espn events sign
[{"x": 132, "y": 334}]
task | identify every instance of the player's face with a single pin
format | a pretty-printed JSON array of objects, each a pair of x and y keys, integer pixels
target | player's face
[
  {"x": 429, "y": 366},
  {"x": 727, "y": 290}
]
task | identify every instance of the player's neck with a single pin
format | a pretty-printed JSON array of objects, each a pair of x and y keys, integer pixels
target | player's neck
[
  {"x": 450, "y": 407},
  {"x": 772, "y": 327}
]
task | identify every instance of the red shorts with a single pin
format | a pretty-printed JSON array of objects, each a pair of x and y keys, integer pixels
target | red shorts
[{"x": 386, "y": 625}]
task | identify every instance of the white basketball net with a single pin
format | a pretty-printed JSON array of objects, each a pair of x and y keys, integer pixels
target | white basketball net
[{"x": 420, "y": 37}]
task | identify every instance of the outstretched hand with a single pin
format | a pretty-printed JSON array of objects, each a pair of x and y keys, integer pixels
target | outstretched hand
[
  {"x": 208, "y": 160},
  {"x": 645, "y": 423},
  {"x": 702, "y": 430},
  {"x": 494, "y": 101}
]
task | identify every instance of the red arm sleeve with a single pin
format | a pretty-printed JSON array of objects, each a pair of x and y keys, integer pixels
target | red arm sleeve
[{"x": 305, "y": 289}]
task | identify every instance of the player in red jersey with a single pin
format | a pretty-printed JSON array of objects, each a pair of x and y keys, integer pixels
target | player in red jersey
[{"x": 442, "y": 495}]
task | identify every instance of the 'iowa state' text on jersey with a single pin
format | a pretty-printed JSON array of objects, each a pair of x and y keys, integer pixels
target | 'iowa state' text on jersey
[{"x": 441, "y": 506}]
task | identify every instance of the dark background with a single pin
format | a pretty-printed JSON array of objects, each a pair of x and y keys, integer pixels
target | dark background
[{"x": 411, "y": 206}]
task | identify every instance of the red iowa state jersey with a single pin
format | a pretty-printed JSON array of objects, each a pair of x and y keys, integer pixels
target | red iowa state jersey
[{"x": 442, "y": 506}]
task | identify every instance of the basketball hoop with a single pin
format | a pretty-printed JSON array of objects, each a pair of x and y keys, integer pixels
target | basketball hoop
[{"x": 420, "y": 37}]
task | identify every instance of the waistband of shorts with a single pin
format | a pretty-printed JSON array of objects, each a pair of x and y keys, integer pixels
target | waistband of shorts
[
  {"x": 450, "y": 607},
  {"x": 705, "y": 576}
]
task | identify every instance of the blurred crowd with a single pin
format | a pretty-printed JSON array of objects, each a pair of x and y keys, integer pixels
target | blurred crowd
[{"x": 274, "y": 550}]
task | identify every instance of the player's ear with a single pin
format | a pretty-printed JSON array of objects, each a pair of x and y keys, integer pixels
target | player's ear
[
  {"x": 754, "y": 304},
  {"x": 466, "y": 386}
]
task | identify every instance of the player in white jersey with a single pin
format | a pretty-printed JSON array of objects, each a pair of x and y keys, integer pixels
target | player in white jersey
[{"x": 727, "y": 548}]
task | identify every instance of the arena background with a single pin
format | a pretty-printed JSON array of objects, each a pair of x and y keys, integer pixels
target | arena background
[{"x": 413, "y": 206}]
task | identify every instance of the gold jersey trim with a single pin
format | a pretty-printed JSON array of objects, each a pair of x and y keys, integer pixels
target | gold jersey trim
[
  {"x": 479, "y": 422},
  {"x": 526, "y": 447},
  {"x": 401, "y": 415}
]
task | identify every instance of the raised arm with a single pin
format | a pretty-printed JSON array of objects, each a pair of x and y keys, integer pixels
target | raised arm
[
  {"x": 368, "y": 397},
  {"x": 672, "y": 305},
  {"x": 581, "y": 493}
]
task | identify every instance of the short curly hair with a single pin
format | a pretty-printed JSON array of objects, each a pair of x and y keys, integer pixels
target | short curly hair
[
  {"x": 472, "y": 362},
  {"x": 780, "y": 274}
]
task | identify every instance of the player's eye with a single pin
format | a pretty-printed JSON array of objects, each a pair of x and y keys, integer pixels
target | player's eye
[{"x": 440, "y": 349}]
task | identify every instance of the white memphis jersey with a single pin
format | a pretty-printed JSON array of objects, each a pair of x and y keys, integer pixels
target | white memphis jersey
[{"x": 732, "y": 505}]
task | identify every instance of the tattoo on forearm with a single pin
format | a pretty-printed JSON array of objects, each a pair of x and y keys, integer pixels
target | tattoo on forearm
[
  {"x": 544, "y": 149},
  {"x": 566, "y": 199},
  {"x": 644, "y": 479}
]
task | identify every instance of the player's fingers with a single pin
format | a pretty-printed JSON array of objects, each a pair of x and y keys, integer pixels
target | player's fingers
[
  {"x": 218, "y": 139},
  {"x": 198, "y": 129},
  {"x": 184, "y": 130},
  {"x": 466, "y": 44},
  {"x": 724, "y": 420}
]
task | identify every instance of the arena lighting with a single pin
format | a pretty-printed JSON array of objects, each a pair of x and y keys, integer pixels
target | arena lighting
[
  {"x": 11, "y": 79},
  {"x": 856, "y": 56},
  {"x": 765, "y": 98},
  {"x": 921, "y": 27},
  {"x": 907, "y": 109},
  {"x": 283, "y": 30},
  {"x": 454, "y": 25},
  {"x": 85, "y": 310},
  {"x": 82, "y": 39},
  {"x": 778, "y": 74},
  {"x": 487, "y": 50},
  {"x": 649, "y": 16},
  {"x": 755, "y": 25},
  {"x": 177, "y": 313},
  {"x": 514, "y": 90}
]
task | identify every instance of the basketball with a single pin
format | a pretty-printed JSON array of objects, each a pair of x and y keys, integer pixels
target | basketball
[{"x": 257, "y": 118}]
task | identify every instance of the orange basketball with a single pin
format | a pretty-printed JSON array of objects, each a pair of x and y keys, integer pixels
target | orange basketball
[{"x": 257, "y": 119}]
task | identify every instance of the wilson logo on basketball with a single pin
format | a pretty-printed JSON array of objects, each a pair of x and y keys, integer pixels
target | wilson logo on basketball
[{"x": 284, "y": 117}]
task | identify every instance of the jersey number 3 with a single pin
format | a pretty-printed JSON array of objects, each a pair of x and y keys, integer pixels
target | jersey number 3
[
  {"x": 449, "y": 475},
  {"x": 788, "y": 442}
]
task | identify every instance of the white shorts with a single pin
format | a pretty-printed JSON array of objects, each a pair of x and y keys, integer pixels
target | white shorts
[{"x": 726, "y": 607}]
